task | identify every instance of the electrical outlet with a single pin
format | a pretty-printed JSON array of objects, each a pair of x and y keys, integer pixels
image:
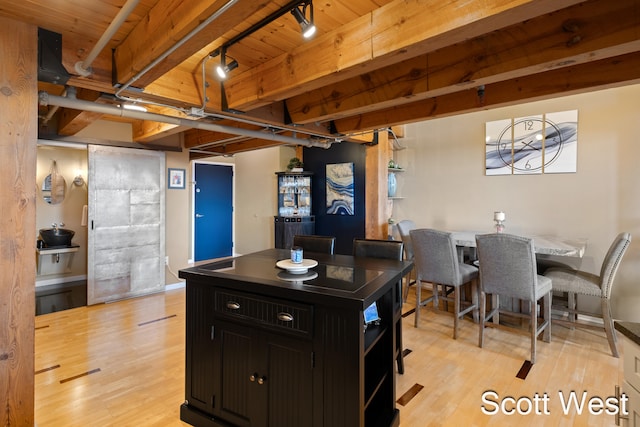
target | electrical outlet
[{"x": 166, "y": 260}]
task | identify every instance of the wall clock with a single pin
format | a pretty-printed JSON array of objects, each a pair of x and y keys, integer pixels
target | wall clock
[{"x": 532, "y": 145}]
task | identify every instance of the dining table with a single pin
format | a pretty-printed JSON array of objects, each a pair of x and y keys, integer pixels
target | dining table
[{"x": 543, "y": 244}]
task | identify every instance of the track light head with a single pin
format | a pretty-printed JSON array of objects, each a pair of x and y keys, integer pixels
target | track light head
[
  {"x": 306, "y": 25},
  {"x": 223, "y": 70}
]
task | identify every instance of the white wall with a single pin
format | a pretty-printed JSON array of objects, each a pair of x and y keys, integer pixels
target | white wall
[
  {"x": 69, "y": 162},
  {"x": 178, "y": 218},
  {"x": 256, "y": 197},
  {"x": 445, "y": 187}
]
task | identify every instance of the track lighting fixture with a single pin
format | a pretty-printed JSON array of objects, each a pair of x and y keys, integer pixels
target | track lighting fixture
[
  {"x": 298, "y": 8},
  {"x": 223, "y": 69},
  {"x": 306, "y": 25}
]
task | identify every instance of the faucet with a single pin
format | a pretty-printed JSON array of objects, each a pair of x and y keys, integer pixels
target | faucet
[{"x": 55, "y": 226}]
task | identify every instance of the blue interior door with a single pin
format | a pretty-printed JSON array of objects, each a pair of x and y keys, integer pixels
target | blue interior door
[{"x": 213, "y": 211}]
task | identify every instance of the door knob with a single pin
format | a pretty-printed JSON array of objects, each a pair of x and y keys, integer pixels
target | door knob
[{"x": 199, "y": 216}]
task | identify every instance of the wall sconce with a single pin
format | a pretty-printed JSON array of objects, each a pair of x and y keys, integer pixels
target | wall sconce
[
  {"x": 306, "y": 25},
  {"x": 78, "y": 180}
]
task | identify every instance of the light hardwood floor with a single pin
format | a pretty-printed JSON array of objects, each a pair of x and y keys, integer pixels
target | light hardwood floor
[{"x": 122, "y": 364}]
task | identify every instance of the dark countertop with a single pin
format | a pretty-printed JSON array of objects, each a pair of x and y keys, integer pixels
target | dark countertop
[
  {"x": 630, "y": 330},
  {"x": 336, "y": 278}
]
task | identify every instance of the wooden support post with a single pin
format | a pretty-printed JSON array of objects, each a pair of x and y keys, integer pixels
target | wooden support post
[
  {"x": 377, "y": 159},
  {"x": 18, "y": 136}
]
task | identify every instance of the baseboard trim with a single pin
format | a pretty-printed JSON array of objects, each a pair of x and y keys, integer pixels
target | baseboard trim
[{"x": 173, "y": 286}]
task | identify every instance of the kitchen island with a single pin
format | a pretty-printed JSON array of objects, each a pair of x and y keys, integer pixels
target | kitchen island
[{"x": 265, "y": 347}]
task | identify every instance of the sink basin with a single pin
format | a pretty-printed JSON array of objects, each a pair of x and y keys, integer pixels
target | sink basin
[{"x": 56, "y": 236}]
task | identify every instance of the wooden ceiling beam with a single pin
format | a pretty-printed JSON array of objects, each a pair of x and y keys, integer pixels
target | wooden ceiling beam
[
  {"x": 415, "y": 33},
  {"x": 146, "y": 131},
  {"x": 578, "y": 34},
  {"x": 76, "y": 50},
  {"x": 72, "y": 121},
  {"x": 242, "y": 146},
  {"x": 401, "y": 29},
  {"x": 596, "y": 75},
  {"x": 194, "y": 138},
  {"x": 168, "y": 22}
]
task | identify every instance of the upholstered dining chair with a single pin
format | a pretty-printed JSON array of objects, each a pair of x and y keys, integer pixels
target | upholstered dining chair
[
  {"x": 575, "y": 282},
  {"x": 436, "y": 261},
  {"x": 404, "y": 228},
  {"x": 386, "y": 249},
  {"x": 508, "y": 269},
  {"x": 315, "y": 243}
]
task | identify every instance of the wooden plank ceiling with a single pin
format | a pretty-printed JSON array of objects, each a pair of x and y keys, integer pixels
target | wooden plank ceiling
[{"x": 372, "y": 63}]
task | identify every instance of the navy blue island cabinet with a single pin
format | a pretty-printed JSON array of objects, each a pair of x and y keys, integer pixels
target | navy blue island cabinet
[{"x": 267, "y": 347}]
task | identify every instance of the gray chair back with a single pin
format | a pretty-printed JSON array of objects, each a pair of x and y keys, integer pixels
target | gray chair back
[
  {"x": 315, "y": 243},
  {"x": 612, "y": 262},
  {"x": 507, "y": 265},
  {"x": 374, "y": 248},
  {"x": 404, "y": 228},
  {"x": 436, "y": 256}
]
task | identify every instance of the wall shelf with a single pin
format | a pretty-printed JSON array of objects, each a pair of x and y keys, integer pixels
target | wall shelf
[{"x": 55, "y": 253}]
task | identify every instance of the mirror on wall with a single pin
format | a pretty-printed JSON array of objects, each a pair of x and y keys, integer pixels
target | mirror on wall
[{"x": 54, "y": 187}]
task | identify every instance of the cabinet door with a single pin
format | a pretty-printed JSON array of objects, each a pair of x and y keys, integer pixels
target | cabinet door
[
  {"x": 263, "y": 379},
  {"x": 289, "y": 382},
  {"x": 236, "y": 373},
  {"x": 285, "y": 229},
  {"x": 199, "y": 352}
]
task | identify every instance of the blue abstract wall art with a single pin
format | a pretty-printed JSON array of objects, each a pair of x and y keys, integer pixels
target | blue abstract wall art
[{"x": 340, "y": 189}]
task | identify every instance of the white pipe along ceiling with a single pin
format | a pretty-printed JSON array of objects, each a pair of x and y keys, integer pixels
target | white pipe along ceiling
[
  {"x": 84, "y": 68},
  {"x": 47, "y": 99}
]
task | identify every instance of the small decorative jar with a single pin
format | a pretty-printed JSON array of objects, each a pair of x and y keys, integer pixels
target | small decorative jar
[{"x": 296, "y": 254}]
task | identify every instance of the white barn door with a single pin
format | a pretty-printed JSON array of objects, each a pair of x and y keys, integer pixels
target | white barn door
[{"x": 126, "y": 223}]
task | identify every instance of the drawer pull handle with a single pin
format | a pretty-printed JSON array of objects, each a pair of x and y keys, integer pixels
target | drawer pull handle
[
  {"x": 253, "y": 377},
  {"x": 232, "y": 305},
  {"x": 262, "y": 380},
  {"x": 285, "y": 317}
]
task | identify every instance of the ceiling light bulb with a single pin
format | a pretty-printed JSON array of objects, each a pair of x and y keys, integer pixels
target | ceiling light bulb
[
  {"x": 309, "y": 31},
  {"x": 134, "y": 107},
  {"x": 308, "y": 28},
  {"x": 223, "y": 70}
]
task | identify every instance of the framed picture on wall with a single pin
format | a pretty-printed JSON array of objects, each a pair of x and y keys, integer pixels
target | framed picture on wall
[
  {"x": 340, "y": 189},
  {"x": 176, "y": 178}
]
